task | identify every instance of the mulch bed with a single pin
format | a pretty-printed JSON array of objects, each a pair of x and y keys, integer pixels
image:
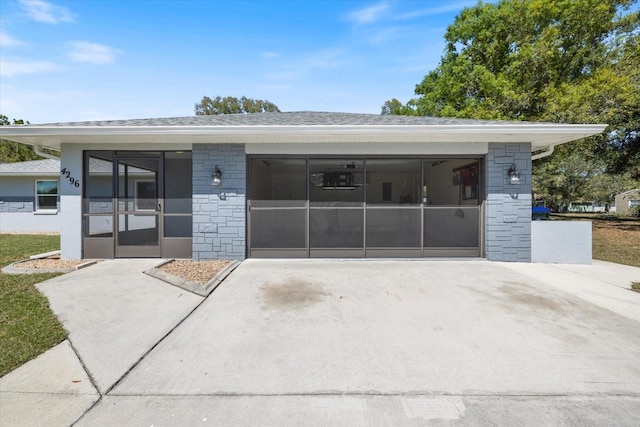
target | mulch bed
[{"x": 194, "y": 271}]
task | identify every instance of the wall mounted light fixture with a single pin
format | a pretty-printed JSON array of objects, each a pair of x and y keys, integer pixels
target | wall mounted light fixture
[
  {"x": 216, "y": 177},
  {"x": 514, "y": 175}
]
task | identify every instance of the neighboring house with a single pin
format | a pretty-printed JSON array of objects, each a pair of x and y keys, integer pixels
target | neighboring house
[
  {"x": 587, "y": 207},
  {"x": 29, "y": 199},
  {"x": 627, "y": 200},
  {"x": 299, "y": 184}
]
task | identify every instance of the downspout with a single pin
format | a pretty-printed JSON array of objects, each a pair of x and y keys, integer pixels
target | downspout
[
  {"x": 547, "y": 152},
  {"x": 40, "y": 152}
]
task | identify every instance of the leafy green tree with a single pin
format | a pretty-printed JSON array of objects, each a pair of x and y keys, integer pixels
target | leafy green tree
[
  {"x": 604, "y": 187},
  {"x": 394, "y": 106},
  {"x": 510, "y": 59},
  {"x": 565, "y": 61},
  {"x": 11, "y": 152},
  {"x": 571, "y": 175},
  {"x": 231, "y": 105}
]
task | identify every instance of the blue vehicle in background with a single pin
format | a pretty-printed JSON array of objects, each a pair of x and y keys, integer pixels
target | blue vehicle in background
[{"x": 540, "y": 213}]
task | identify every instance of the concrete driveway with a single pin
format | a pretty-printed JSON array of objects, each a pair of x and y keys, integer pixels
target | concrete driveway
[
  {"x": 395, "y": 342},
  {"x": 414, "y": 343}
]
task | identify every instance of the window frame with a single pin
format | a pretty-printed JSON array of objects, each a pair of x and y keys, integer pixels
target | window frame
[{"x": 39, "y": 208}]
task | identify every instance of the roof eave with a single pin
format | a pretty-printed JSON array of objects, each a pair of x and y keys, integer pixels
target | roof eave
[{"x": 540, "y": 135}]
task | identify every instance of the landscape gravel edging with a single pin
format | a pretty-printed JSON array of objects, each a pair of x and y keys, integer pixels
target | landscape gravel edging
[
  {"x": 188, "y": 285},
  {"x": 12, "y": 269}
]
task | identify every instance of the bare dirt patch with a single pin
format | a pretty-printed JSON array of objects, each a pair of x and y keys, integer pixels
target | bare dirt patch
[{"x": 194, "y": 271}]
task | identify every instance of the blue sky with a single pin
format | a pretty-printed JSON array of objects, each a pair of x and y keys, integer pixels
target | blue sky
[{"x": 113, "y": 59}]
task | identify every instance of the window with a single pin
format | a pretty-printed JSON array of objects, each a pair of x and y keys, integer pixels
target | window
[
  {"x": 145, "y": 195},
  {"x": 46, "y": 195}
]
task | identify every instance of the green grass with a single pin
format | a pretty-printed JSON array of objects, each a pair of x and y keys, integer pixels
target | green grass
[
  {"x": 27, "y": 325},
  {"x": 635, "y": 286}
]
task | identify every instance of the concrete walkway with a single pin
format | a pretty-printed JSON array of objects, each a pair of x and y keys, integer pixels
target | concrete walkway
[
  {"x": 603, "y": 283},
  {"x": 316, "y": 342},
  {"x": 51, "y": 390},
  {"x": 114, "y": 314}
]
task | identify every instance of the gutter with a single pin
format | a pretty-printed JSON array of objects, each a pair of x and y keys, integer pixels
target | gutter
[
  {"x": 547, "y": 152},
  {"x": 40, "y": 152}
]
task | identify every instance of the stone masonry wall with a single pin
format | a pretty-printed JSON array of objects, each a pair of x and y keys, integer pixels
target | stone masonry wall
[
  {"x": 508, "y": 207},
  {"x": 17, "y": 204},
  {"x": 20, "y": 204},
  {"x": 219, "y": 213}
]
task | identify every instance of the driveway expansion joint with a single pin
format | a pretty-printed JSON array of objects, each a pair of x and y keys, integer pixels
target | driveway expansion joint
[
  {"x": 390, "y": 394},
  {"x": 219, "y": 278},
  {"x": 84, "y": 366}
]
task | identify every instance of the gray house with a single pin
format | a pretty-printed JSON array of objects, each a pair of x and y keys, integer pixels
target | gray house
[
  {"x": 29, "y": 200},
  {"x": 626, "y": 201},
  {"x": 298, "y": 184}
]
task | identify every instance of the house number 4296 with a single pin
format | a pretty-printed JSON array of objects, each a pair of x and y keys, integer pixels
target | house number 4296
[{"x": 64, "y": 172}]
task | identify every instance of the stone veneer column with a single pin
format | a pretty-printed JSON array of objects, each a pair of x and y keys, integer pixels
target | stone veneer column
[
  {"x": 219, "y": 213},
  {"x": 508, "y": 207}
]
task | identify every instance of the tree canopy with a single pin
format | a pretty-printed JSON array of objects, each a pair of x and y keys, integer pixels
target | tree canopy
[
  {"x": 231, "y": 105},
  {"x": 564, "y": 61},
  {"x": 11, "y": 152}
]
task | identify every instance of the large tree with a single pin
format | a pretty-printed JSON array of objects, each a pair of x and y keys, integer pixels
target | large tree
[
  {"x": 11, "y": 152},
  {"x": 569, "y": 61},
  {"x": 231, "y": 105}
]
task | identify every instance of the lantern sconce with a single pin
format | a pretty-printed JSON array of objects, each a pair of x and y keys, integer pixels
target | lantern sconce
[
  {"x": 514, "y": 175},
  {"x": 216, "y": 177}
]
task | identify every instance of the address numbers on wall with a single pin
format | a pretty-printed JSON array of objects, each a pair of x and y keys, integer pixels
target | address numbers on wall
[{"x": 65, "y": 173}]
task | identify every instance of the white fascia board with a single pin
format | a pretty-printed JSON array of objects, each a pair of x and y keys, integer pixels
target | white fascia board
[
  {"x": 539, "y": 135},
  {"x": 128, "y": 145},
  {"x": 28, "y": 174}
]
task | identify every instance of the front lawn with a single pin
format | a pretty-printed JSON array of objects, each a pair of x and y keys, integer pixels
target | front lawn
[
  {"x": 617, "y": 240},
  {"x": 27, "y": 325}
]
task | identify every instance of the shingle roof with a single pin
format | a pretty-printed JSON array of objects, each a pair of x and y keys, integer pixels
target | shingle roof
[
  {"x": 306, "y": 127},
  {"x": 52, "y": 167},
  {"x": 33, "y": 167},
  {"x": 635, "y": 190},
  {"x": 302, "y": 118}
]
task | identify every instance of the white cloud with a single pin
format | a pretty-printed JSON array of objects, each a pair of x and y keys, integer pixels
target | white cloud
[
  {"x": 385, "y": 35},
  {"x": 42, "y": 11},
  {"x": 275, "y": 87},
  {"x": 38, "y": 104},
  {"x": 93, "y": 53},
  {"x": 7, "y": 41},
  {"x": 270, "y": 55},
  {"x": 14, "y": 68},
  {"x": 368, "y": 15},
  {"x": 326, "y": 59},
  {"x": 431, "y": 11},
  {"x": 317, "y": 63}
]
